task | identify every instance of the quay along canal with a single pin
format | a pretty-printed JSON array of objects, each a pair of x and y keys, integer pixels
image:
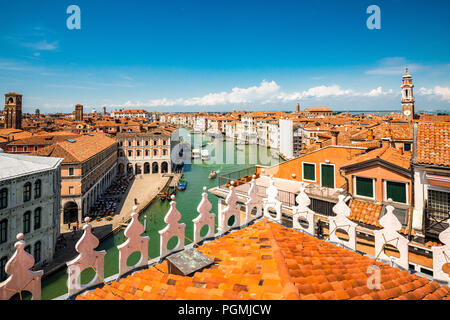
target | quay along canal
[{"x": 235, "y": 157}]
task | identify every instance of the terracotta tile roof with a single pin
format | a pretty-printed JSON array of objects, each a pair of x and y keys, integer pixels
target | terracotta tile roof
[
  {"x": 386, "y": 153},
  {"x": 392, "y": 130},
  {"x": 82, "y": 149},
  {"x": 269, "y": 261},
  {"x": 365, "y": 212},
  {"x": 433, "y": 143}
]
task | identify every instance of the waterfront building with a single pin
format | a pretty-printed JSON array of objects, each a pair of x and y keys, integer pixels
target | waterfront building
[
  {"x": 273, "y": 127},
  {"x": 146, "y": 152},
  {"x": 201, "y": 124},
  {"x": 88, "y": 169},
  {"x": 30, "y": 204},
  {"x": 291, "y": 138}
]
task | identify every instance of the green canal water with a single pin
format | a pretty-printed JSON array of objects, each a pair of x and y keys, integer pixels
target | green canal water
[{"x": 226, "y": 158}]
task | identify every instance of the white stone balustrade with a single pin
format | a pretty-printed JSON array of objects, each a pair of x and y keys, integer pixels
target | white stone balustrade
[
  {"x": 272, "y": 202},
  {"x": 441, "y": 257},
  {"x": 87, "y": 258},
  {"x": 389, "y": 236},
  {"x": 232, "y": 210},
  {"x": 301, "y": 211},
  {"x": 134, "y": 243},
  {"x": 342, "y": 222},
  {"x": 21, "y": 278},
  {"x": 254, "y": 202},
  {"x": 173, "y": 229},
  {"x": 205, "y": 218}
]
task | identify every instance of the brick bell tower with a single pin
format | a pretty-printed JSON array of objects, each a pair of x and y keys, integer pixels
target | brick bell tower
[
  {"x": 407, "y": 96},
  {"x": 13, "y": 111},
  {"x": 79, "y": 112}
]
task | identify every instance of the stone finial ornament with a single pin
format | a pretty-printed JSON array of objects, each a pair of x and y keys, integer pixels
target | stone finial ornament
[
  {"x": 302, "y": 211},
  {"x": 173, "y": 229},
  {"x": 232, "y": 210},
  {"x": 87, "y": 258},
  {"x": 272, "y": 202},
  {"x": 389, "y": 236},
  {"x": 254, "y": 202},
  {"x": 441, "y": 257},
  {"x": 204, "y": 219},
  {"x": 21, "y": 278},
  {"x": 134, "y": 243},
  {"x": 342, "y": 222}
]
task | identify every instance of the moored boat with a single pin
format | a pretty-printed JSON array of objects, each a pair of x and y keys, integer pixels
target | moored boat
[
  {"x": 213, "y": 175},
  {"x": 182, "y": 184}
]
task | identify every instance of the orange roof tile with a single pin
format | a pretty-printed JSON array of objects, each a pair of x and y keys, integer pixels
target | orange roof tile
[
  {"x": 269, "y": 261},
  {"x": 433, "y": 143}
]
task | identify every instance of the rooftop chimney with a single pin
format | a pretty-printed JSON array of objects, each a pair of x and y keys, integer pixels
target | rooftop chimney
[{"x": 334, "y": 137}]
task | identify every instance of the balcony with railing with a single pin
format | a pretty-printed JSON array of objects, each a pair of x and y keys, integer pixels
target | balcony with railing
[{"x": 323, "y": 199}]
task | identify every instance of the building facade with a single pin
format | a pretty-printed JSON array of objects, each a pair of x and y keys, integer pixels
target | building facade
[
  {"x": 88, "y": 169},
  {"x": 145, "y": 152},
  {"x": 29, "y": 204}
]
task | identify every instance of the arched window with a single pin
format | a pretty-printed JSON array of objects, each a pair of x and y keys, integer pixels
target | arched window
[
  {"x": 26, "y": 222},
  {"x": 3, "y": 198},
  {"x": 3, "y": 274},
  {"x": 37, "y": 218},
  {"x": 37, "y": 252},
  {"x": 27, "y": 192},
  {"x": 37, "y": 189},
  {"x": 3, "y": 231}
]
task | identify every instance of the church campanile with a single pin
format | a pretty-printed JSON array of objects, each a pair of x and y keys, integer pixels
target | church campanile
[
  {"x": 13, "y": 111},
  {"x": 407, "y": 96}
]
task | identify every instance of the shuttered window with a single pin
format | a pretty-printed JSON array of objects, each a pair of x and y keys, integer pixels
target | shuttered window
[
  {"x": 364, "y": 187},
  {"x": 309, "y": 172},
  {"x": 396, "y": 191},
  {"x": 327, "y": 173}
]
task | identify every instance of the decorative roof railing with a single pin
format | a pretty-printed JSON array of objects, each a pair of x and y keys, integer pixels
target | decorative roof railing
[{"x": 21, "y": 278}]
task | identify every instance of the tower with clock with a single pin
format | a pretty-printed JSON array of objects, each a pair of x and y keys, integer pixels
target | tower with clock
[{"x": 407, "y": 96}]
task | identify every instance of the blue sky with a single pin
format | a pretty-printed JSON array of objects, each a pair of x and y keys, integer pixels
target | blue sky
[{"x": 195, "y": 55}]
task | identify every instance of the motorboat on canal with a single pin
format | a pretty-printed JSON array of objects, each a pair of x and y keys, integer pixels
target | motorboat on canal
[
  {"x": 213, "y": 175},
  {"x": 182, "y": 184}
]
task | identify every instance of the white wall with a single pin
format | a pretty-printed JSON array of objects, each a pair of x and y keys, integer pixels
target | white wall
[{"x": 286, "y": 138}]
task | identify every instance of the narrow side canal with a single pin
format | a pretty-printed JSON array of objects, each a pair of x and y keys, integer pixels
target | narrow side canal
[{"x": 196, "y": 174}]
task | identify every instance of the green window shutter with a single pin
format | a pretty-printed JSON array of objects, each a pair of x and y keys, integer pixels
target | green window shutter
[
  {"x": 364, "y": 187},
  {"x": 327, "y": 173},
  {"x": 309, "y": 172},
  {"x": 396, "y": 191}
]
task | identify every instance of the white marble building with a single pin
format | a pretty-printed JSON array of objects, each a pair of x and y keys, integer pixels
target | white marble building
[{"x": 30, "y": 189}]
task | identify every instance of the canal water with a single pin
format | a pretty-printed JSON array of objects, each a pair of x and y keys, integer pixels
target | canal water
[{"x": 226, "y": 157}]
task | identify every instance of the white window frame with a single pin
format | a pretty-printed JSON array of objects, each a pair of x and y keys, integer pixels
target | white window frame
[
  {"x": 385, "y": 191},
  {"x": 334, "y": 173},
  {"x": 315, "y": 172},
  {"x": 373, "y": 187}
]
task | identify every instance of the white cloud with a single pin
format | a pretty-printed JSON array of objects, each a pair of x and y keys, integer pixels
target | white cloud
[
  {"x": 41, "y": 45},
  {"x": 265, "y": 90},
  {"x": 440, "y": 92},
  {"x": 268, "y": 92},
  {"x": 378, "y": 92},
  {"x": 315, "y": 92}
]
